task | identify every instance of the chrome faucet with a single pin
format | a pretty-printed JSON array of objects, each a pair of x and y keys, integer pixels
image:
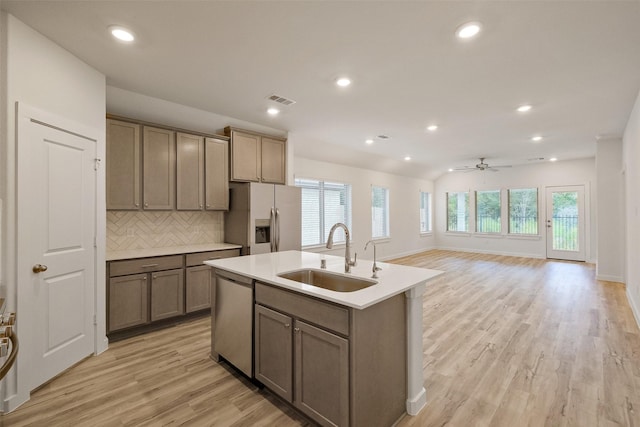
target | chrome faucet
[
  {"x": 375, "y": 267},
  {"x": 347, "y": 249}
]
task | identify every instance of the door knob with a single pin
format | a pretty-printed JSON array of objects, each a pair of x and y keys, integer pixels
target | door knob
[{"x": 39, "y": 268}]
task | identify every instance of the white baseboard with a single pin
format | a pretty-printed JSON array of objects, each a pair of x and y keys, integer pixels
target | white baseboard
[
  {"x": 407, "y": 253},
  {"x": 609, "y": 278},
  {"x": 634, "y": 307},
  {"x": 489, "y": 252}
]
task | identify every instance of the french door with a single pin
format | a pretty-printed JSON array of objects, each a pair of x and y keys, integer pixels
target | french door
[{"x": 565, "y": 223}]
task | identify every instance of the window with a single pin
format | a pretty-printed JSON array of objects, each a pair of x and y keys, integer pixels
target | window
[
  {"x": 323, "y": 204},
  {"x": 523, "y": 211},
  {"x": 488, "y": 211},
  {"x": 379, "y": 212},
  {"x": 425, "y": 212},
  {"x": 458, "y": 211}
]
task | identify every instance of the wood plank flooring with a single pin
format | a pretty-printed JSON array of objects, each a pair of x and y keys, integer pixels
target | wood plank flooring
[{"x": 507, "y": 342}]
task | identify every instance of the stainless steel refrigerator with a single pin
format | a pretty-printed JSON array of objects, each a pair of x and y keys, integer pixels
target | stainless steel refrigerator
[{"x": 264, "y": 217}]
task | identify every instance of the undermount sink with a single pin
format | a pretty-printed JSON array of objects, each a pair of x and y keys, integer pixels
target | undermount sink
[{"x": 327, "y": 280}]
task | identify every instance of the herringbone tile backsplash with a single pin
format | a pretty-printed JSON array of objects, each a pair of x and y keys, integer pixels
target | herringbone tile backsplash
[{"x": 147, "y": 229}]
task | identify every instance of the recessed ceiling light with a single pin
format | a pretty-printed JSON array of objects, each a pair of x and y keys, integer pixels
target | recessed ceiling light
[
  {"x": 343, "y": 82},
  {"x": 468, "y": 30},
  {"x": 121, "y": 34},
  {"x": 369, "y": 141},
  {"x": 553, "y": 159},
  {"x": 524, "y": 108},
  {"x": 537, "y": 138},
  {"x": 432, "y": 128},
  {"x": 407, "y": 158},
  {"x": 273, "y": 111},
  {"x": 450, "y": 170}
]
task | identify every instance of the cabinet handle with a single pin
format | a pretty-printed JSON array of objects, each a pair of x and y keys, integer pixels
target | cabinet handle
[
  {"x": 155, "y": 277},
  {"x": 208, "y": 206},
  {"x": 137, "y": 205},
  {"x": 146, "y": 205},
  {"x": 145, "y": 278},
  {"x": 148, "y": 265},
  {"x": 286, "y": 325},
  {"x": 296, "y": 329}
]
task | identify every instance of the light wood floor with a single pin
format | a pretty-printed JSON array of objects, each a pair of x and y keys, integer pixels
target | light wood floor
[{"x": 507, "y": 342}]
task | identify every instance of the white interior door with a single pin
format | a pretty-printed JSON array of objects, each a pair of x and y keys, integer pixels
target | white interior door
[
  {"x": 565, "y": 223},
  {"x": 56, "y": 249}
]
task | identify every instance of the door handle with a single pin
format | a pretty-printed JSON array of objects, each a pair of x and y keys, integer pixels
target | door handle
[{"x": 39, "y": 268}]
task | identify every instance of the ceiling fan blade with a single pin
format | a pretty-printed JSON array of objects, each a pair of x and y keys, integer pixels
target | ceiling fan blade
[
  {"x": 502, "y": 166},
  {"x": 466, "y": 168},
  {"x": 492, "y": 169}
]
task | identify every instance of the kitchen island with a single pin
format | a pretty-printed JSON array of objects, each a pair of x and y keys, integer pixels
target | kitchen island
[{"x": 379, "y": 325}]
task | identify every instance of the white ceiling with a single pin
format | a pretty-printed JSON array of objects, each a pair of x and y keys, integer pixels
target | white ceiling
[{"x": 576, "y": 62}]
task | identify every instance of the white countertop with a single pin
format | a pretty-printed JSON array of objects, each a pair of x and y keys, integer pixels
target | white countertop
[
  {"x": 171, "y": 250},
  {"x": 392, "y": 279}
]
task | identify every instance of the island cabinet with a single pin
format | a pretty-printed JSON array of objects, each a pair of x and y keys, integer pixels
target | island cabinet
[
  {"x": 256, "y": 157},
  {"x": 339, "y": 366}
]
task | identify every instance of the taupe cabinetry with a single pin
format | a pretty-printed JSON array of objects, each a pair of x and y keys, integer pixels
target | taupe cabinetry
[
  {"x": 216, "y": 174},
  {"x": 317, "y": 382},
  {"x": 123, "y": 165},
  {"x": 145, "y": 290},
  {"x": 189, "y": 172},
  {"x": 158, "y": 168},
  {"x": 167, "y": 294},
  {"x": 256, "y": 157},
  {"x": 338, "y": 365},
  {"x": 128, "y": 304},
  {"x": 198, "y": 278}
]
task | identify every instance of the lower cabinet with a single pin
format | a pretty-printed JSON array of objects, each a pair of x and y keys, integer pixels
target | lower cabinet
[
  {"x": 145, "y": 290},
  {"x": 338, "y": 365},
  {"x": 128, "y": 301},
  {"x": 198, "y": 292},
  {"x": 167, "y": 294},
  {"x": 305, "y": 365}
]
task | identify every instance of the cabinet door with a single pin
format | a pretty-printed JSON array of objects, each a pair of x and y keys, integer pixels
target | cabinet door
[
  {"x": 273, "y": 351},
  {"x": 167, "y": 294},
  {"x": 273, "y": 155},
  {"x": 198, "y": 288},
  {"x": 128, "y": 297},
  {"x": 123, "y": 165},
  {"x": 189, "y": 172},
  {"x": 245, "y": 157},
  {"x": 322, "y": 375},
  {"x": 159, "y": 168},
  {"x": 216, "y": 174}
]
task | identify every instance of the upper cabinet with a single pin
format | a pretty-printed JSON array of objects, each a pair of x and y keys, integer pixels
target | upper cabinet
[
  {"x": 256, "y": 157},
  {"x": 190, "y": 171},
  {"x": 155, "y": 168},
  {"x": 216, "y": 174},
  {"x": 158, "y": 168},
  {"x": 123, "y": 165}
]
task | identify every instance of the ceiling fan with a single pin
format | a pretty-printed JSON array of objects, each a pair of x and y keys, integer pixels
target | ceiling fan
[{"x": 482, "y": 166}]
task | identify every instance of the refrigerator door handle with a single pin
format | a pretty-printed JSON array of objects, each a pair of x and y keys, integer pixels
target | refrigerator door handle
[
  {"x": 277, "y": 230},
  {"x": 272, "y": 227}
]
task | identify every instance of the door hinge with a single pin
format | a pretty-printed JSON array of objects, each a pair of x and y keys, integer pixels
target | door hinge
[
  {"x": 96, "y": 166},
  {"x": 95, "y": 320}
]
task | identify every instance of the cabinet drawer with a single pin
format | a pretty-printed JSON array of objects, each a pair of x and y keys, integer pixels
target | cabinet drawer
[
  {"x": 144, "y": 265},
  {"x": 200, "y": 257},
  {"x": 324, "y": 314}
]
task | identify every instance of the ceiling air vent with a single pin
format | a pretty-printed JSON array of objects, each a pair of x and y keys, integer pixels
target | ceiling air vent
[
  {"x": 384, "y": 137},
  {"x": 280, "y": 99}
]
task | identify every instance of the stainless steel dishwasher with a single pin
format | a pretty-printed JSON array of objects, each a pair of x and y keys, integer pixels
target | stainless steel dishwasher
[{"x": 232, "y": 332}]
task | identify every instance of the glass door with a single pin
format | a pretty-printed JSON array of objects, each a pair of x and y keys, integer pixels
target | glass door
[{"x": 565, "y": 223}]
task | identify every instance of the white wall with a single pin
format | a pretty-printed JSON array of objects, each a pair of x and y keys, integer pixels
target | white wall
[
  {"x": 540, "y": 175},
  {"x": 610, "y": 210},
  {"x": 404, "y": 207},
  {"x": 41, "y": 74},
  {"x": 631, "y": 164}
]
